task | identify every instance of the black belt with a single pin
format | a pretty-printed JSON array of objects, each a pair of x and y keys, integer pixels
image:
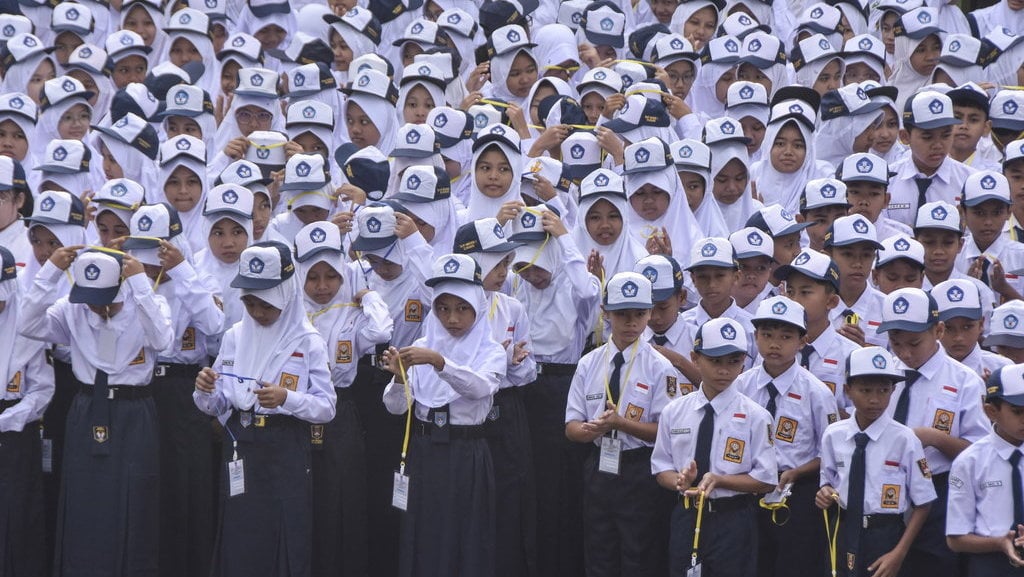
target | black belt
[
  {"x": 375, "y": 361},
  {"x": 7, "y": 404},
  {"x": 727, "y": 504},
  {"x": 881, "y": 520},
  {"x": 465, "y": 432},
  {"x": 556, "y": 369},
  {"x": 271, "y": 421},
  {"x": 176, "y": 370},
  {"x": 122, "y": 392}
]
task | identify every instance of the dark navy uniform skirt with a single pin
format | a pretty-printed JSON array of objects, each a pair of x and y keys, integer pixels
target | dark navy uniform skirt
[{"x": 22, "y": 514}]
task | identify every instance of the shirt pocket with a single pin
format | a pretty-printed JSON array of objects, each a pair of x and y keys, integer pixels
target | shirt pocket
[
  {"x": 294, "y": 374},
  {"x": 732, "y": 451},
  {"x": 941, "y": 414},
  {"x": 893, "y": 478}
]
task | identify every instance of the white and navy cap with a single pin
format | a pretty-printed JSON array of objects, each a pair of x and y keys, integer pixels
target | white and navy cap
[
  {"x": 631, "y": 72},
  {"x": 315, "y": 238},
  {"x": 938, "y": 214},
  {"x": 762, "y": 50},
  {"x": 724, "y": 129},
  {"x": 266, "y": 148},
  {"x": 581, "y": 153},
  {"x": 423, "y": 184},
  {"x": 864, "y": 167},
  {"x": 638, "y": 111},
  {"x": 483, "y": 235},
  {"x": 58, "y": 207},
  {"x": 776, "y": 221},
  {"x": 1006, "y": 327},
  {"x": 604, "y": 81},
  {"x": 628, "y": 290},
  {"x": 71, "y": 17},
  {"x": 1013, "y": 151},
  {"x": 795, "y": 102},
  {"x": 509, "y": 39},
  {"x": 416, "y": 141},
  {"x": 305, "y": 172},
  {"x": 712, "y": 251},
  {"x": 548, "y": 168},
  {"x": 648, "y": 155},
  {"x": 12, "y": 175},
  {"x": 811, "y": 49},
  {"x": 263, "y": 266},
  {"x": 908, "y": 309},
  {"x": 849, "y": 100},
  {"x": 927, "y": 110},
  {"x": 183, "y": 146},
  {"x": 242, "y": 45},
  {"x": 738, "y": 24},
  {"x": 864, "y": 48},
  {"x": 376, "y": 225},
  {"x": 957, "y": 298},
  {"x": 528, "y": 224},
  {"x": 960, "y": 50},
  {"x": 570, "y": 13},
  {"x": 188, "y": 20},
  {"x": 229, "y": 199},
  {"x": 602, "y": 182},
  {"x": 719, "y": 337},
  {"x": 125, "y": 43},
  {"x": 150, "y": 223},
  {"x": 8, "y": 269},
  {"x": 18, "y": 104},
  {"x": 812, "y": 264},
  {"x": 97, "y": 277},
  {"x": 1007, "y": 110},
  {"x": 21, "y": 47},
  {"x": 187, "y": 100},
  {"x": 900, "y": 246},
  {"x": 90, "y": 58},
  {"x": 65, "y": 157},
  {"x": 746, "y": 98},
  {"x": 454, "y": 268},
  {"x": 872, "y": 362},
  {"x": 458, "y": 21},
  {"x": 308, "y": 79},
  {"x": 421, "y": 31},
  {"x": 257, "y": 82},
  {"x": 1007, "y": 385},
  {"x": 752, "y": 242},
  {"x": 604, "y": 24},
  {"x": 664, "y": 273},
  {"x": 13, "y": 24},
  {"x": 847, "y": 230},
  {"x": 451, "y": 125},
  {"x": 820, "y": 17},
  {"x": 823, "y": 192},
  {"x": 134, "y": 131},
  {"x": 120, "y": 193},
  {"x": 670, "y": 48},
  {"x": 372, "y": 61},
  {"x": 781, "y": 309},
  {"x": 691, "y": 155},
  {"x": 918, "y": 23},
  {"x": 485, "y": 115},
  {"x": 985, "y": 185},
  {"x": 499, "y": 133},
  {"x": 721, "y": 50},
  {"x": 242, "y": 172}
]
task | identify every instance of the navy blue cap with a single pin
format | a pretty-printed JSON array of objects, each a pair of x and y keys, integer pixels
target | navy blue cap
[
  {"x": 1006, "y": 383},
  {"x": 8, "y": 266}
]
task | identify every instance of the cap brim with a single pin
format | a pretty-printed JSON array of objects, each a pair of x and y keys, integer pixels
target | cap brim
[
  {"x": 714, "y": 263},
  {"x": 1015, "y": 400},
  {"x": 904, "y": 326},
  {"x": 1006, "y": 124},
  {"x": 133, "y": 243},
  {"x": 721, "y": 351},
  {"x": 618, "y": 125},
  {"x": 244, "y": 282},
  {"x": 975, "y": 201},
  {"x": 373, "y": 243},
  {"x": 794, "y": 228},
  {"x": 34, "y": 220},
  {"x": 753, "y": 254},
  {"x": 877, "y": 245},
  {"x": 598, "y": 39},
  {"x": 507, "y": 246},
  {"x": 659, "y": 295},
  {"x": 756, "y": 61},
  {"x": 93, "y": 296},
  {"x": 784, "y": 272},
  {"x": 410, "y": 153},
  {"x": 315, "y": 251},
  {"x": 528, "y": 236},
  {"x": 489, "y": 138},
  {"x": 937, "y": 123},
  {"x": 627, "y": 306},
  {"x": 58, "y": 168},
  {"x": 580, "y": 171},
  {"x": 891, "y": 376},
  {"x": 434, "y": 281},
  {"x": 755, "y": 320},
  {"x": 303, "y": 186},
  {"x": 1004, "y": 340},
  {"x": 969, "y": 313}
]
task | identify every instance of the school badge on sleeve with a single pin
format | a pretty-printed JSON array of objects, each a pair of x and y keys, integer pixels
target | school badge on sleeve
[
  {"x": 15, "y": 385},
  {"x": 671, "y": 387},
  {"x": 289, "y": 381},
  {"x": 734, "y": 450},
  {"x": 99, "y": 434},
  {"x": 413, "y": 311}
]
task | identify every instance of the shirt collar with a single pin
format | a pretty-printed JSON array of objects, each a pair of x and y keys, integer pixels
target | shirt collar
[
  {"x": 1002, "y": 447},
  {"x": 874, "y": 430},
  {"x": 720, "y": 402},
  {"x": 782, "y": 382}
]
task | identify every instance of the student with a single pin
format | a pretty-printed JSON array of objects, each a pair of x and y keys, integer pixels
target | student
[
  {"x": 874, "y": 468},
  {"x": 269, "y": 383},
  {"x": 1006, "y": 331},
  {"x": 986, "y": 512},
  {"x": 971, "y": 108},
  {"x": 693, "y": 164},
  {"x": 14, "y": 197},
  {"x": 447, "y": 380},
  {"x": 128, "y": 54},
  {"x": 664, "y": 330},
  {"x": 783, "y": 228},
  {"x": 987, "y": 254},
  {"x": 801, "y": 407},
  {"x": 849, "y": 117},
  {"x": 602, "y": 234},
  {"x": 115, "y": 329},
  {"x": 917, "y": 47},
  {"x": 115, "y": 202},
  {"x": 823, "y": 201},
  {"x": 866, "y": 177},
  {"x": 899, "y": 264},
  {"x": 926, "y": 173},
  {"x": 1013, "y": 169},
  {"x": 852, "y": 244},
  {"x": 616, "y": 398},
  {"x": 29, "y": 385},
  {"x": 961, "y": 312},
  {"x": 755, "y": 261},
  {"x": 712, "y": 445},
  {"x": 747, "y": 102},
  {"x": 941, "y": 401}
]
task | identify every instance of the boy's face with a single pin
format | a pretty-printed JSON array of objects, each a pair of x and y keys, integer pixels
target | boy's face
[
  {"x": 820, "y": 218},
  {"x": 869, "y": 395},
  {"x": 815, "y": 297},
  {"x": 986, "y": 221},
  {"x": 900, "y": 273},
  {"x": 940, "y": 249},
  {"x": 960, "y": 336},
  {"x": 1015, "y": 354},
  {"x": 854, "y": 262},
  {"x": 915, "y": 348},
  {"x": 778, "y": 344},
  {"x": 628, "y": 324},
  {"x": 717, "y": 373},
  {"x": 867, "y": 199},
  {"x": 787, "y": 247},
  {"x": 754, "y": 275},
  {"x": 1014, "y": 172},
  {"x": 928, "y": 148},
  {"x": 714, "y": 284},
  {"x": 1008, "y": 420},
  {"x": 665, "y": 313},
  {"x": 975, "y": 124}
]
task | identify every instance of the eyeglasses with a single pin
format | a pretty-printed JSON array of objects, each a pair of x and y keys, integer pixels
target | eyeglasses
[
  {"x": 246, "y": 117},
  {"x": 685, "y": 78}
]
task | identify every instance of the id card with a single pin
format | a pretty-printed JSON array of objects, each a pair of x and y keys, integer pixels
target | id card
[
  {"x": 778, "y": 496},
  {"x": 236, "y": 477},
  {"x": 611, "y": 453},
  {"x": 400, "y": 495},
  {"x": 694, "y": 571}
]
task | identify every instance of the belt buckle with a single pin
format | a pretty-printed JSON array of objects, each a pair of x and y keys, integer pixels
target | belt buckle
[
  {"x": 711, "y": 506},
  {"x": 111, "y": 393},
  {"x": 259, "y": 420},
  {"x": 161, "y": 371},
  {"x": 866, "y": 522},
  {"x": 540, "y": 368}
]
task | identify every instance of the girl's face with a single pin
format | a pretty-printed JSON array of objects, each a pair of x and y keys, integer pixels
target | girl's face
[
  {"x": 178, "y": 125},
  {"x": 13, "y": 142},
  {"x": 829, "y": 78},
  {"x": 111, "y": 167},
  {"x": 88, "y": 82},
  {"x": 926, "y": 56},
  {"x": 251, "y": 118},
  {"x": 183, "y": 52},
  {"x": 730, "y": 182},
  {"x": 753, "y": 129},
  {"x": 694, "y": 186},
  {"x": 227, "y": 240},
  {"x": 139, "y": 22},
  {"x": 110, "y": 226},
  {"x": 723, "y": 84},
  {"x": 218, "y": 34},
  {"x": 604, "y": 223},
  {"x": 542, "y": 92},
  {"x": 593, "y": 106},
  {"x": 887, "y": 132},
  {"x": 663, "y": 10},
  {"x": 129, "y": 69},
  {"x": 700, "y": 26},
  {"x": 64, "y": 44},
  {"x": 456, "y": 315},
  {"x": 426, "y": 230},
  {"x": 43, "y": 242},
  {"x": 270, "y": 36},
  {"x": 887, "y": 26},
  {"x": 311, "y": 144},
  {"x": 10, "y": 204},
  {"x": 183, "y": 189},
  {"x": 264, "y": 313},
  {"x": 650, "y": 202},
  {"x": 493, "y": 173},
  {"x": 681, "y": 74},
  {"x": 322, "y": 283},
  {"x": 229, "y": 76},
  {"x": 858, "y": 72},
  {"x": 864, "y": 140},
  {"x": 409, "y": 52},
  {"x": 342, "y": 53},
  {"x": 310, "y": 214},
  {"x": 261, "y": 211},
  {"x": 789, "y": 149},
  {"x": 74, "y": 123},
  {"x": 383, "y": 268},
  {"x": 539, "y": 278},
  {"x": 521, "y": 75},
  {"x": 495, "y": 279},
  {"x": 752, "y": 73},
  {"x": 361, "y": 129},
  {"x": 45, "y": 71},
  {"x": 418, "y": 103}
]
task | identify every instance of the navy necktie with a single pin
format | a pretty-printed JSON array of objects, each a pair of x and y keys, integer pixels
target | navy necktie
[
  {"x": 985, "y": 264},
  {"x": 100, "y": 414},
  {"x": 903, "y": 404},
  {"x": 1018, "y": 233},
  {"x": 773, "y": 392},
  {"x": 923, "y": 182},
  {"x": 661, "y": 340},
  {"x": 855, "y": 494},
  {"x": 1018, "y": 491},
  {"x": 705, "y": 434},
  {"x": 805, "y": 356},
  {"x": 613, "y": 382}
]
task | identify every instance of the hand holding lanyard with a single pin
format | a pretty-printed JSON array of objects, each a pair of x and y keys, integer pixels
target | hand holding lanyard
[{"x": 400, "y": 494}]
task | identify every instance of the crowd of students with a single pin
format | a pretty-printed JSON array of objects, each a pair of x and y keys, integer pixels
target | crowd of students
[{"x": 511, "y": 288}]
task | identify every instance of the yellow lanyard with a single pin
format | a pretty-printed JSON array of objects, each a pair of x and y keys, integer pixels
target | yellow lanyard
[
  {"x": 311, "y": 192},
  {"x": 832, "y": 535},
  {"x": 493, "y": 103},
  {"x": 408, "y": 415},
  {"x": 267, "y": 146},
  {"x": 324, "y": 310},
  {"x": 775, "y": 508},
  {"x": 494, "y": 308},
  {"x": 599, "y": 325},
  {"x": 696, "y": 529},
  {"x": 607, "y": 373}
]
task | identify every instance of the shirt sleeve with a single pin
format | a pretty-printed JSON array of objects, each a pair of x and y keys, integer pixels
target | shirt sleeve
[
  {"x": 473, "y": 383},
  {"x": 922, "y": 491},
  {"x": 765, "y": 463},
  {"x": 206, "y": 316},
  {"x": 39, "y": 386},
  {"x": 960, "y": 509},
  {"x": 974, "y": 425},
  {"x": 661, "y": 457},
  {"x": 828, "y": 473},
  {"x": 826, "y": 410},
  {"x": 576, "y": 405},
  {"x": 379, "y": 325},
  {"x": 154, "y": 314},
  {"x": 420, "y": 257},
  {"x": 585, "y": 286},
  {"x": 42, "y": 316},
  {"x": 317, "y": 404},
  {"x": 394, "y": 398},
  {"x": 216, "y": 404},
  {"x": 526, "y": 371}
]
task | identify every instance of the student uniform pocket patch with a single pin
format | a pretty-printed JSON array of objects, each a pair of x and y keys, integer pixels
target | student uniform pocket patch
[
  {"x": 943, "y": 420},
  {"x": 890, "y": 496},
  {"x": 288, "y": 381},
  {"x": 343, "y": 352},
  {"x": 188, "y": 339},
  {"x": 139, "y": 358},
  {"x": 413, "y": 311},
  {"x": 787, "y": 429},
  {"x": 734, "y": 450},
  {"x": 633, "y": 412}
]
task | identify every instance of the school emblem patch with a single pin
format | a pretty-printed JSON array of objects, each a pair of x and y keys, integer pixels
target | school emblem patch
[
  {"x": 139, "y": 358},
  {"x": 413, "y": 311},
  {"x": 786, "y": 430},
  {"x": 734, "y": 450},
  {"x": 943, "y": 421},
  {"x": 15, "y": 385},
  {"x": 188, "y": 339},
  {"x": 633, "y": 412},
  {"x": 343, "y": 352},
  {"x": 833, "y": 417},
  {"x": 671, "y": 387},
  {"x": 890, "y": 496},
  {"x": 316, "y": 434},
  {"x": 923, "y": 465},
  {"x": 288, "y": 381},
  {"x": 99, "y": 434},
  {"x": 831, "y": 386},
  {"x": 440, "y": 419}
]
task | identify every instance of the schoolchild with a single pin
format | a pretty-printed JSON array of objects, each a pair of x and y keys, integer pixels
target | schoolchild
[
  {"x": 1006, "y": 332},
  {"x": 899, "y": 264},
  {"x": 783, "y": 228},
  {"x": 755, "y": 260},
  {"x": 747, "y": 102},
  {"x": 714, "y": 448},
  {"x": 874, "y": 468},
  {"x": 15, "y": 196},
  {"x": 867, "y": 179},
  {"x": 617, "y": 395},
  {"x": 823, "y": 201},
  {"x": 665, "y": 331},
  {"x": 1007, "y": 116},
  {"x": 987, "y": 254},
  {"x": 1013, "y": 170},
  {"x": 961, "y": 312},
  {"x": 971, "y": 138},
  {"x": 114, "y": 204},
  {"x": 852, "y": 244}
]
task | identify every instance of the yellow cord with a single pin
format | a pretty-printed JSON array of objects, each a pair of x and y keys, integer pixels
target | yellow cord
[
  {"x": 832, "y": 536},
  {"x": 599, "y": 325},
  {"x": 494, "y": 308},
  {"x": 311, "y": 192},
  {"x": 493, "y": 103},
  {"x": 408, "y": 414},
  {"x": 696, "y": 529},
  {"x": 536, "y": 255},
  {"x": 775, "y": 508},
  {"x": 267, "y": 146},
  {"x": 324, "y": 310}
]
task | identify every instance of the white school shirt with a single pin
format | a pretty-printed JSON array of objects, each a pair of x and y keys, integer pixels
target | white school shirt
[
  {"x": 678, "y": 341},
  {"x": 947, "y": 184},
  {"x": 194, "y": 315},
  {"x": 981, "y": 489},
  {"x": 643, "y": 383},
  {"x": 742, "y": 443},
  {"x": 828, "y": 363},
  {"x": 946, "y": 397},
  {"x": 896, "y": 472},
  {"x": 697, "y": 316},
  {"x": 804, "y": 407},
  {"x": 358, "y": 332},
  {"x": 886, "y": 227},
  {"x": 15, "y": 239},
  {"x": 33, "y": 384},
  {"x": 869, "y": 308},
  {"x": 1009, "y": 253},
  {"x": 509, "y": 322},
  {"x": 979, "y": 360}
]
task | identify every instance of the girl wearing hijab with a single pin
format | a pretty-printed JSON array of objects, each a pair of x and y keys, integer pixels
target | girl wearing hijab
[
  {"x": 109, "y": 497},
  {"x": 604, "y": 208},
  {"x": 123, "y": 159},
  {"x": 369, "y": 111},
  {"x": 115, "y": 202},
  {"x": 189, "y": 112},
  {"x": 145, "y": 19},
  {"x": 183, "y": 184},
  {"x": 543, "y": 88},
  {"x": 917, "y": 51},
  {"x": 30, "y": 386},
  {"x": 254, "y": 107},
  {"x": 730, "y": 172},
  {"x": 1008, "y": 68},
  {"x": 557, "y": 53},
  {"x": 817, "y": 63},
  {"x": 697, "y": 21},
  {"x": 514, "y": 70},
  {"x": 27, "y": 71},
  {"x": 447, "y": 380},
  {"x": 14, "y": 201},
  {"x": 188, "y": 40},
  {"x": 17, "y": 130},
  {"x": 1005, "y": 13},
  {"x": 88, "y": 65},
  {"x": 885, "y": 141},
  {"x": 269, "y": 384},
  {"x": 497, "y": 173},
  {"x": 421, "y": 90},
  {"x": 425, "y": 195},
  {"x": 240, "y": 51},
  {"x": 716, "y": 74},
  {"x": 850, "y": 130},
  {"x": 693, "y": 164},
  {"x": 347, "y": 43},
  {"x": 65, "y": 111},
  {"x": 352, "y": 325},
  {"x": 764, "y": 62}
]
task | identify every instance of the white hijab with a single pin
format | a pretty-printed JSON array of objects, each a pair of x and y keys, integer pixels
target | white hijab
[
  {"x": 702, "y": 97},
  {"x": 785, "y": 188},
  {"x": 680, "y": 223},
  {"x": 837, "y": 135},
  {"x": 903, "y": 76},
  {"x": 553, "y": 310},
  {"x": 481, "y": 206},
  {"x": 229, "y": 130},
  {"x": 622, "y": 254},
  {"x": 708, "y": 214},
  {"x": 500, "y": 67},
  {"x": 193, "y": 221},
  {"x": 737, "y": 213},
  {"x": 384, "y": 118}
]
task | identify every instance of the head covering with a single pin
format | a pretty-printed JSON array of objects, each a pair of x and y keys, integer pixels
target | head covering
[
  {"x": 482, "y": 206},
  {"x": 624, "y": 251},
  {"x": 501, "y": 65},
  {"x": 737, "y": 213},
  {"x": 785, "y": 188}
]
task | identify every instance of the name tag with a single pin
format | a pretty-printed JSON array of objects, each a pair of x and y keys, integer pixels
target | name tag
[
  {"x": 679, "y": 431},
  {"x": 595, "y": 396}
]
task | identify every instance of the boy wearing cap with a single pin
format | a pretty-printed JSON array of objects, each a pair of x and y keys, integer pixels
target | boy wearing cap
[
  {"x": 988, "y": 254},
  {"x": 755, "y": 260},
  {"x": 941, "y": 400},
  {"x": 801, "y": 407},
  {"x": 927, "y": 172},
  {"x": 714, "y": 447},
  {"x": 875, "y": 469},
  {"x": 1006, "y": 332},
  {"x": 115, "y": 328},
  {"x": 960, "y": 311},
  {"x": 783, "y": 227},
  {"x": 867, "y": 191},
  {"x": 615, "y": 400},
  {"x": 971, "y": 108},
  {"x": 664, "y": 330},
  {"x": 823, "y": 201},
  {"x": 986, "y": 506},
  {"x": 852, "y": 244},
  {"x": 899, "y": 264}
]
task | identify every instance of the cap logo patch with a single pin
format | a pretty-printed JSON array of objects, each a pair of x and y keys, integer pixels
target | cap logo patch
[
  {"x": 685, "y": 152},
  {"x": 373, "y": 225},
  {"x": 416, "y": 28},
  {"x": 651, "y": 274},
  {"x": 211, "y": 3},
  {"x": 308, "y": 112},
  {"x": 676, "y": 44},
  {"x": 796, "y": 109},
  {"x": 454, "y": 18},
  {"x": 183, "y": 144},
  {"x": 512, "y": 36},
  {"x": 92, "y": 272},
  {"x": 901, "y": 245},
  {"x": 954, "y": 294},
  {"x": 424, "y": 70},
  {"x": 180, "y": 97},
  {"x": 642, "y": 155},
  {"x": 746, "y": 93},
  {"x": 754, "y": 45},
  {"x": 238, "y": 42},
  {"x": 728, "y": 128},
  {"x": 451, "y": 267},
  {"x": 601, "y": 180},
  {"x": 731, "y": 46},
  {"x": 1010, "y": 322},
  {"x": 924, "y": 17},
  {"x": 828, "y": 191},
  {"x": 412, "y": 137},
  {"x": 987, "y": 182},
  {"x": 817, "y": 13},
  {"x": 85, "y": 52},
  {"x": 606, "y": 25},
  {"x": 299, "y": 80},
  {"x": 363, "y": 80},
  {"x": 256, "y": 80},
  {"x": 121, "y": 122},
  {"x": 498, "y": 231},
  {"x": 879, "y": 362},
  {"x": 824, "y": 45},
  {"x": 939, "y": 213},
  {"x": 31, "y": 42},
  {"x": 954, "y": 46},
  {"x": 126, "y": 40},
  {"x": 255, "y": 265},
  {"x": 8, "y": 30},
  {"x": 302, "y": 169},
  {"x": 185, "y": 19},
  {"x": 118, "y": 190},
  {"x": 68, "y": 86},
  {"x": 900, "y": 306},
  {"x": 145, "y": 223},
  {"x": 229, "y": 197},
  {"x": 17, "y": 103},
  {"x": 754, "y": 238},
  {"x": 629, "y": 289},
  {"x": 262, "y": 153},
  {"x": 779, "y": 308},
  {"x": 744, "y": 20},
  {"x": 600, "y": 75},
  {"x": 936, "y": 106},
  {"x": 802, "y": 259},
  {"x": 47, "y": 204},
  {"x": 576, "y": 151},
  {"x": 865, "y": 44},
  {"x": 865, "y": 166},
  {"x": 60, "y": 153},
  {"x": 440, "y": 120},
  {"x": 243, "y": 171},
  {"x": 318, "y": 235},
  {"x": 860, "y": 226},
  {"x": 528, "y": 220},
  {"x": 413, "y": 182},
  {"x": 480, "y": 120},
  {"x": 728, "y": 333},
  {"x": 709, "y": 250},
  {"x": 1010, "y": 107}
]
